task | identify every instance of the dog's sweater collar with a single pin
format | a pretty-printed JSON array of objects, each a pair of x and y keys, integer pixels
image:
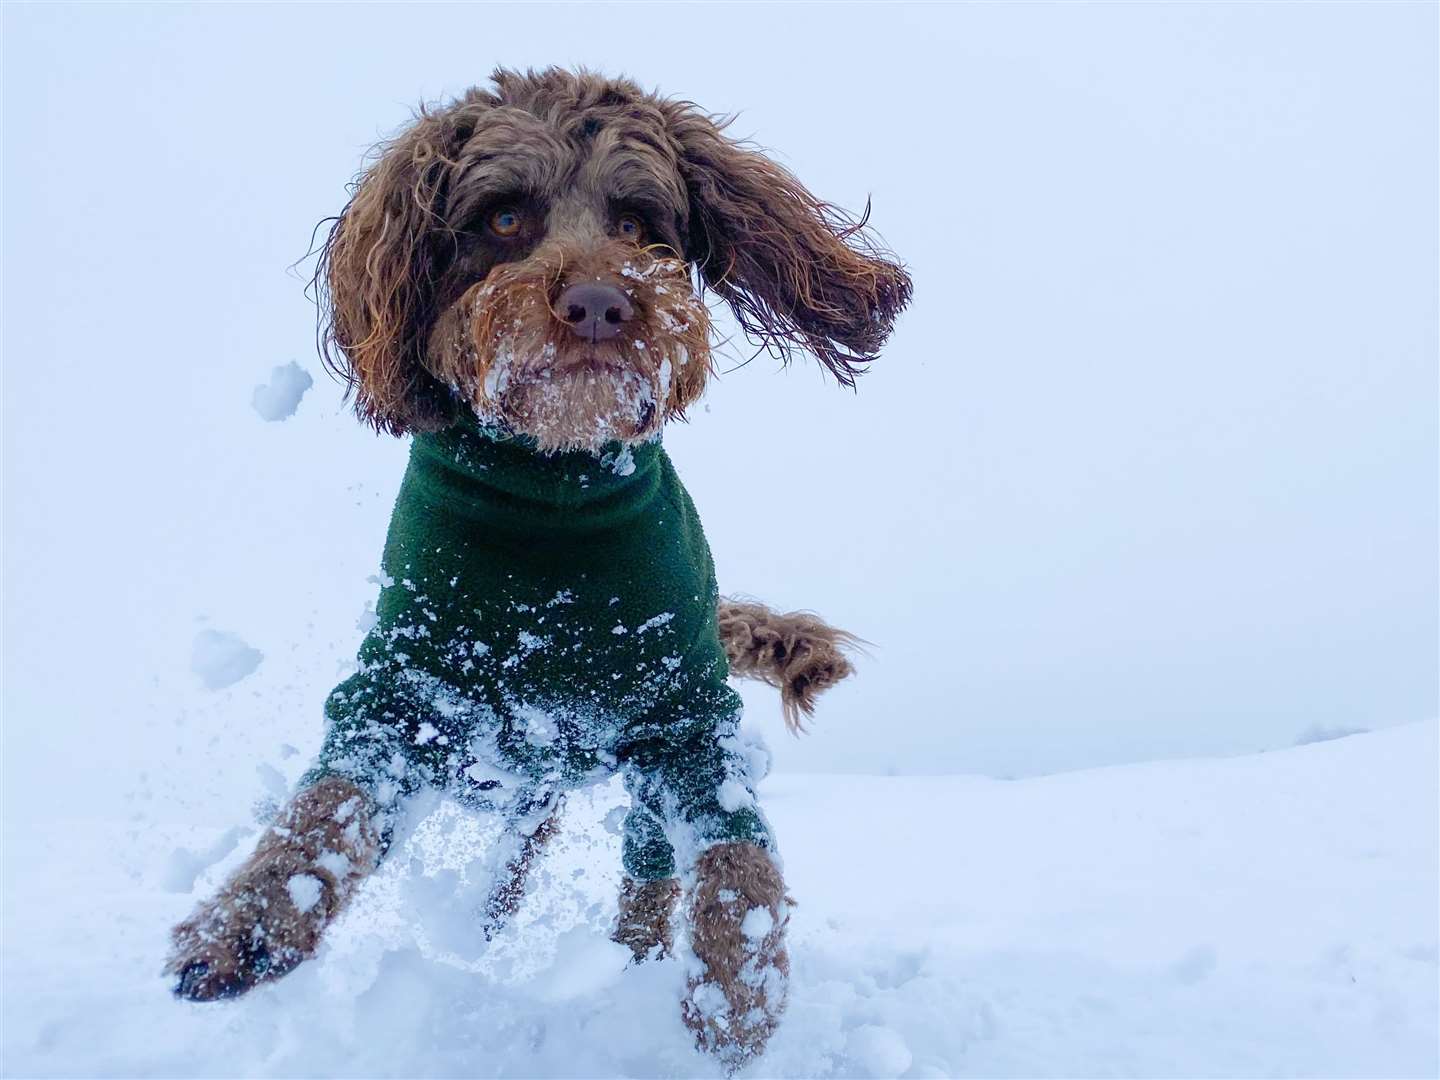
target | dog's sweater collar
[{"x": 505, "y": 482}]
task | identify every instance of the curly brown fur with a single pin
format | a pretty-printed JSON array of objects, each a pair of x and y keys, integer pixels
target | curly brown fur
[
  {"x": 796, "y": 652},
  {"x": 734, "y": 1003},
  {"x": 644, "y": 923},
  {"x": 796, "y": 271},
  {"x": 269, "y": 915},
  {"x": 570, "y": 151},
  {"x": 374, "y": 275},
  {"x": 504, "y": 899}
]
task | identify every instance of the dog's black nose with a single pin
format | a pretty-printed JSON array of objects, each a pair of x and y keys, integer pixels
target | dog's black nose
[{"x": 594, "y": 311}]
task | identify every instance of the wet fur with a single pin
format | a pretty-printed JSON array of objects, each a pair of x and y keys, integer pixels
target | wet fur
[
  {"x": 643, "y": 924},
  {"x": 796, "y": 652},
  {"x": 796, "y": 272},
  {"x": 325, "y": 834},
  {"x": 502, "y": 348},
  {"x": 734, "y": 1001}
]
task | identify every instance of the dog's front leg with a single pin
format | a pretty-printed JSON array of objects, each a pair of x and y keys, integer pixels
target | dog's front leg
[
  {"x": 269, "y": 915},
  {"x": 698, "y": 794},
  {"x": 738, "y": 912}
]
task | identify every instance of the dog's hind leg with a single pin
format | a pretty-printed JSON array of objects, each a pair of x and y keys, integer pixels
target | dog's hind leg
[
  {"x": 270, "y": 914},
  {"x": 509, "y": 889},
  {"x": 796, "y": 652}
]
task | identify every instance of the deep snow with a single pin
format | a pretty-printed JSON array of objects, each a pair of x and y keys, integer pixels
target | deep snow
[{"x": 1267, "y": 915}]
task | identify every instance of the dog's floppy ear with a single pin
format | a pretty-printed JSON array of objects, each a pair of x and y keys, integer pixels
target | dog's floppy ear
[
  {"x": 376, "y": 272},
  {"x": 797, "y": 272}
]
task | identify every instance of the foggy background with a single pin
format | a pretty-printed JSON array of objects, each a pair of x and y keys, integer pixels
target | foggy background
[{"x": 1148, "y": 469}]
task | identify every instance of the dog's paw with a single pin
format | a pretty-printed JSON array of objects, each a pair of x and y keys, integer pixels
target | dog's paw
[
  {"x": 196, "y": 981},
  {"x": 261, "y": 925},
  {"x": 227, "y": 949},
  {"x": 213, "y": 962},
  {"x": 643, "y": 925},
  {"x": 738, "y": 917}
]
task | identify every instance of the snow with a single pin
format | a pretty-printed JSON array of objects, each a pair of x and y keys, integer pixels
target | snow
[
  {"x": 659, "y": 620},
  {"x": 1321, "y": 733},
  {"x": 280, "y": 397},
  {"x": 1263, "y": 915},
  {"x": 221, "y": 658},
  {"x": 879, "y": 1051},
  {"x": 757, "y": 923},
  {"x": 304, "y": 890},
  {"x": 733, "y": 795},
  {"x": 621, "y": 463},
  {"x": 333, "y": 861},
  {"x": 184, "y": 865}
]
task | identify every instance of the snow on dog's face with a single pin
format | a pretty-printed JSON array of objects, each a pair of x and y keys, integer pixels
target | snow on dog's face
[
  {"x": 534, "y": 254},
  {"x": 530, "y": 349}
]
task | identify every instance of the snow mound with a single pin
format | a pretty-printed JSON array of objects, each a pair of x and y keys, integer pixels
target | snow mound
[
  {"x": 1320, "y": 733},
  {"x": 278, "y": 399},
  {"x": 1271, "y": 915},
  {"x": 222, "y": 659},
  {"x": 878, "y": 1051}
]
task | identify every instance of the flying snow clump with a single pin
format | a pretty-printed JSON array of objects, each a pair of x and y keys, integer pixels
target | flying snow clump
[
  {"x": 279, "y": 399},
  {"x": 221, "y": 658}
]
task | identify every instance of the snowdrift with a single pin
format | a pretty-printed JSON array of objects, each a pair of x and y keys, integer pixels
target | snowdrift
[{"x": 1270, "y": 915}]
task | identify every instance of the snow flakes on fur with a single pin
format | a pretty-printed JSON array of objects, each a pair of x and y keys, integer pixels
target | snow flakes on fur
[
  {"x": 269, "y": 916},
  {"x": 737, "y": 987},
  {"x": 643, "y": 925}
]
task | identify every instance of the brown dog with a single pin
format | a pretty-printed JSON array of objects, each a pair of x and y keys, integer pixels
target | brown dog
[{"x": 528, "y": 258}]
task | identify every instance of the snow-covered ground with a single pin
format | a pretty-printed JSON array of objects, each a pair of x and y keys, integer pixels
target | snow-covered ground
[{"x": 1263, "y": 915}]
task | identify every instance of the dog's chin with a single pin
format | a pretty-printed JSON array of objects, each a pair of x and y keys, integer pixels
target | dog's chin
[{"x": 580, "y": 405}]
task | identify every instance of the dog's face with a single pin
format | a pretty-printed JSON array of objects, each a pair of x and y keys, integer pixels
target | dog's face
[
  {"x": 566, "y": 311},
  {"x": 532, "y": 253}
]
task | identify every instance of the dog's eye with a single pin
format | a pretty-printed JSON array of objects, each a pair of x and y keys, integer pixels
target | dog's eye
[
  {"x": 506, "y": 222},
  {"x": 631, "y": 228}
]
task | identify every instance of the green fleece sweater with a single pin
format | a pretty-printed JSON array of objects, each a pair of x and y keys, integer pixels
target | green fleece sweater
[{"x": 545, "y": 621}]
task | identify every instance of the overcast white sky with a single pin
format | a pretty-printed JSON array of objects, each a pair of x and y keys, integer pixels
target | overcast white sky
[{"x": 1149, "y": 469}]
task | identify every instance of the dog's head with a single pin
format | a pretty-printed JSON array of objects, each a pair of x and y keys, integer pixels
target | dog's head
[{"x": 534, "y": 251}]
